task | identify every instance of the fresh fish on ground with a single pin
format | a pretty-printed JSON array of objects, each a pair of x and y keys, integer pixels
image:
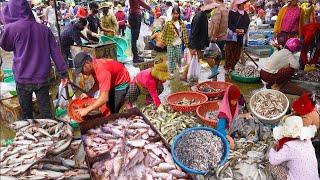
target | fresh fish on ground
[{"x": 170, "y": 123}]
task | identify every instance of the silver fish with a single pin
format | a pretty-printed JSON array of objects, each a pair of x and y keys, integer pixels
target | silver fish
[
  {"x": 47, "y": 173},
  {"x": 18, "y": 125}
]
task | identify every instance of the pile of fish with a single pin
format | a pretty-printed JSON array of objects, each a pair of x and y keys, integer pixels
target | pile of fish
[
  {"x": 268, "y": 105},
  {"x": 249, "y": 159},
  {"x": 208, "y": 89},
  {"x": 246, "y": 71},
  {"x": 128, "y": 148},
  {"x": 312, "y": 76},
  {"x": 187, "y": 102},
  {"x": 41, "y": 145},
  {"x": 169, "y": 123},
  {"x": 199, "y": 150},
  {"x": 212, "y": 115}
]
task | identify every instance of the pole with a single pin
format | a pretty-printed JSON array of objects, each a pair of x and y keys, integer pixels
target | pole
[{"x": 57, "y": 22}]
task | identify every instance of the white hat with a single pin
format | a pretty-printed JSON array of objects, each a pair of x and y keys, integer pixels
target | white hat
[{"x": 293, "y": 128}]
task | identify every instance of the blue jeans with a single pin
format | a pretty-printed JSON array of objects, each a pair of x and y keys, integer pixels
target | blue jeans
[{"x": 25, "y": 92}]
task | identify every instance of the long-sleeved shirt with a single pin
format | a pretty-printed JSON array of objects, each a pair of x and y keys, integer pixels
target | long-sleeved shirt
[
  {"x": 169, "y": 33},
  {"x": 219, "y": 23},
  {"x": 199, "y": 38},
  {"x": 70, "y": 36},
  {"x": 135, "y": 6},
  {"x": 238, "y": 21},
  {"x": 300, "y": 158},
  {"x": 32, "y": 44},
  {"x": 145, "y": 80},
  {"x": 281, "y": 59}
]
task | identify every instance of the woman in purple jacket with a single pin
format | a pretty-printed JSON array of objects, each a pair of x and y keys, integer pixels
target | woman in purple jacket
[{"x": 33, "y": 45}]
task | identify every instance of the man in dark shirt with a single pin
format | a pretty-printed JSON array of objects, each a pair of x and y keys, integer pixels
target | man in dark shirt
[
  {"x": 72, "y": 34},
  {"x": 94, "y": 22},
  {"x": 135, "y": 18}
]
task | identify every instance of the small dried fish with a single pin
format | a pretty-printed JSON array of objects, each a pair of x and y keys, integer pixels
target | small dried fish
[
  {"x": 200, "y": 150},
  {"x": 212, "y": 114},
  {"x": 187, "y": 102}
]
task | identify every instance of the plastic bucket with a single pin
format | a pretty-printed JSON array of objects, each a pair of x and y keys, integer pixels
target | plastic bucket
[{"x": 193, "y": 171}]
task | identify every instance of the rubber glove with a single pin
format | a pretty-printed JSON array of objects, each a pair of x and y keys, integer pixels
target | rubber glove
[
  {"x": 221, "y": 126},
  {"x": 161, "y": 108}
]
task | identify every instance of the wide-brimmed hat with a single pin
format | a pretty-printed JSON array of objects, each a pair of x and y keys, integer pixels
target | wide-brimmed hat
[
  {"x": 104, "y": 5},
  {"x": 293, "y": 128},
  {"x": 160, "y": 69},
  {"x": 208, "y": 5},
  {"x": 79, "y": 60},
  {"x": 237, "y": 2},
  {"x": 119, "y": 7}
]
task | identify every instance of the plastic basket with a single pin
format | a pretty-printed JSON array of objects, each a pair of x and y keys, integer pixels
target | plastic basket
[
  {"x": 189, "y": 95},
  {"x": 238, "y": 78},
  {"x": 193, "y": 171},
  {"x": 223, "y": 86},
  {"x": 121, "y": 42},
  {"x": 81, "y": 103},
  {"x": 274, "y": 120},
  {"x": 206, "y": 107}
]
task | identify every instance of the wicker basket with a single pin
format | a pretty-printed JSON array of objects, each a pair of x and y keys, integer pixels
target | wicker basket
[
  {"x": 206, "y": 107},
  {"x": 189, "y": 95},
  {"x": 215, "y": 85}
]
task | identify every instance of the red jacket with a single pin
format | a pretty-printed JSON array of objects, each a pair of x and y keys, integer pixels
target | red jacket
[{"x": 121, "y": 18}]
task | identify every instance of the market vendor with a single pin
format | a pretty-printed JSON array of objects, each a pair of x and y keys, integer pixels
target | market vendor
[
  {"x": 228, "y": 108},
  {"x": 293, "y": 157},
  {"x": 72, "y": 35},
  {"x": 111, "y": 79},
  {"x": 149, "y": 82},
  {"x": 108, "y": 21},
  {"x": 33, "y": 45},
  {"x": 305, "y": 108},
  {"x": 281, "y": 65}
]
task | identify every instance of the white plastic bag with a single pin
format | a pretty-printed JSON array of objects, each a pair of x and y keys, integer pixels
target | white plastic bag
[
  {"x": 187, "y": 56},
  {"x": 213, "y": 50},
  {"x": 62, "y": 94},
  {"x": 194, "y": 70}
]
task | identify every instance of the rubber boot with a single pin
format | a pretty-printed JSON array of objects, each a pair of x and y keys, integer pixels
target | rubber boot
[{"x": 214, "y": 72}]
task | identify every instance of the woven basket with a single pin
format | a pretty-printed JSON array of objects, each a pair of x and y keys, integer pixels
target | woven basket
[
  {"x": 174, "y": 98},
  {"x": 215, "y": 85},
  {"x": 206, "y": 107},
  {"x": 81, "y": 103}
]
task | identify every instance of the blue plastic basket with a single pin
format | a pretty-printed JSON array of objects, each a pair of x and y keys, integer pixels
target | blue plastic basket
[{"x": 193, "y": 171}]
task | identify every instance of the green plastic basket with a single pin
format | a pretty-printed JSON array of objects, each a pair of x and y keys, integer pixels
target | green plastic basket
[
  {"x": 238, "y": 78},
  {"x": 121, "y": 44}
]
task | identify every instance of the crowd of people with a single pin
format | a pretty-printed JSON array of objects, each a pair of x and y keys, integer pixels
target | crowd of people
[{"x": 212, "y": 30}]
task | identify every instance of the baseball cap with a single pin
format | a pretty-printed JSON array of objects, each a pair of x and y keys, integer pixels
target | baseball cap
[{"x": 79, "y": 61}]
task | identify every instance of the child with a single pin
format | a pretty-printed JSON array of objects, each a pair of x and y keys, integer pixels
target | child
[
  {"x": 281, "y": 65},
  {"x": 293, "y": 157},
  {"x": 149, "y": 82},
  {"x": 174, "y": 34},
  {"x": 156, "y": 41}
]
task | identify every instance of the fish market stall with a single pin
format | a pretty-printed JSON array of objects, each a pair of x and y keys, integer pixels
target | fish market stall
[
  {"x": 43, "y": 149},
  {"x": 126, "y": 146},
  {"x": 312, "y": 77}
]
